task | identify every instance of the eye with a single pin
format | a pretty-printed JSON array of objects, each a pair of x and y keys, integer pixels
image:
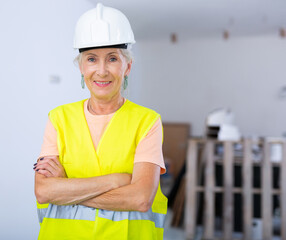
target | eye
[
  {"x": 91, "y": 59},
  {"x": 113, "y": 59}
]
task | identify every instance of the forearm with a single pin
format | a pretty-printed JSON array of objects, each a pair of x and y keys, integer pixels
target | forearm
[
  {"x": 126, "y": 198},
  {"x": 137, "y": 196},
  {"x": 63, "y": 191}
]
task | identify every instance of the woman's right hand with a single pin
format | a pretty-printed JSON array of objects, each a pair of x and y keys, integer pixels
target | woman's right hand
[{"x": 50, "y": 166}]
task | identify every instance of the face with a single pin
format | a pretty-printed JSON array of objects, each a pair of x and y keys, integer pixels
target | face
[{"x": 104, "y": 70}]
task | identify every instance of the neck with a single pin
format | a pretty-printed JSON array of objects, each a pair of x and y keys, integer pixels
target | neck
[{"x": 103, "y": 107}]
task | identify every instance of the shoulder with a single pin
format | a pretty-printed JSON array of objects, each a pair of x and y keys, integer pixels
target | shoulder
[
  {"x": 66, "y": 113},
  {"x": 67, "y": 107},
  {"x": 140, "y": 110}
]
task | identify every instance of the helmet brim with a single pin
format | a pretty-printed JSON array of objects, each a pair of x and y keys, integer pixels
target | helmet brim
[{"x": 122, "y": 46}]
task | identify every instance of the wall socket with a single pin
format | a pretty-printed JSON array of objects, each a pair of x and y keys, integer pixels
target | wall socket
[{"x": 54, "y": 79}]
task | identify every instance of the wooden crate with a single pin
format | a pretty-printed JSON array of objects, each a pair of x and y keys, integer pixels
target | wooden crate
[
  {"x": 247, "y": 190},
  {"x": 175, "y": 145}
]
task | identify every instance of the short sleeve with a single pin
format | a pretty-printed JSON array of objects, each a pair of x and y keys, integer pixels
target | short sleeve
[
  {"x": 49, "y": 146},
  {"x": 149, "y": 148}
]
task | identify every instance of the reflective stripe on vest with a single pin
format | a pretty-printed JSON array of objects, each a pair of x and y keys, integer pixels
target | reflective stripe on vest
[
  {"x": 80, "y": 212},
  {"x": 157, "y": 218},
  {"x": 41, "y": 214}
]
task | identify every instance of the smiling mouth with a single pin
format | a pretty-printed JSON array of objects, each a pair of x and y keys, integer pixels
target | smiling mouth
[{"x": 102, "y": 84}]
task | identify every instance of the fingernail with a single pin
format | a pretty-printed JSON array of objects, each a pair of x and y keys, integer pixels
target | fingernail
[
  {"x": 42, "y": 158},
  {"x": 35, "y": 164},
  {"x": 37, "y": 170},
  {"x": 34, "y": 167}
]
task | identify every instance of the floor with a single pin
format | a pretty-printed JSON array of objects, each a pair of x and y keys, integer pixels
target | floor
[{"x": 171, "y": 233}]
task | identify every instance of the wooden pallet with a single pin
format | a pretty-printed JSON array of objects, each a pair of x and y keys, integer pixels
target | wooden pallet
[{"x": 209, "y": 189}]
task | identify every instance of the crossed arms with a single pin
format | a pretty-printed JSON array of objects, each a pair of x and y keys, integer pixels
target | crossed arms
[{"x": 118, "y": 192}]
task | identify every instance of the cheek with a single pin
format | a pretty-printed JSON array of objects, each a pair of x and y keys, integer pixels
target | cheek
[
  {"x": 122, "y": 71},
  {"x": 117, "y": 72},
  {"x": 87, "y": 72}
]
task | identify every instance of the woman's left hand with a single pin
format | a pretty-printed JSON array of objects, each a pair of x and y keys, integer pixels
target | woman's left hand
[{"x": 50, "y": 166}]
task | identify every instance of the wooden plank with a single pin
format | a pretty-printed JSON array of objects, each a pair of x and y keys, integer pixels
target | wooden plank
[
  {"x": 247, "y": 189},
  {"x": 209, "y": 194},
  {"x": 238, "y": 162},
  {"x": 179, "y": 204},
  {"x": 239, "y": 190},
  {"x": 191, "y": 184},
  {"x": 200, "y": 175},
  {"x": 266, "y": 192},
  {"x": 228, "y": 194},
  {"x": 283, "y": 192}
]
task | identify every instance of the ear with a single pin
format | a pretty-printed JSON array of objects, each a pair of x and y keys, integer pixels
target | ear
[
  {"x": 80, "y": 64},
  {"x": 80, "y": 68},
  {"x": 128, "y": 69}
]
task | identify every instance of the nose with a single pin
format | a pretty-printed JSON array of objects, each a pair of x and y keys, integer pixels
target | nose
[{"x": 102, "y": 69}]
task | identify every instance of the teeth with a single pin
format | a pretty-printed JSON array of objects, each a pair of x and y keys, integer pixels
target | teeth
[{"x": 103, "y": 83}]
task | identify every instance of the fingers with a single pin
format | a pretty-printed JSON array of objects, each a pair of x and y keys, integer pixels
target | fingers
[
  {"x": 50, "y": 167},
  {"x": 55, "y": 159},
  {"x": 47, "y": 164},
  {"x": 46, "y": 173}
]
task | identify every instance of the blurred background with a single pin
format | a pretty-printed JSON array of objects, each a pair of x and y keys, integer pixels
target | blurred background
[{"x": 191, "y": 57}]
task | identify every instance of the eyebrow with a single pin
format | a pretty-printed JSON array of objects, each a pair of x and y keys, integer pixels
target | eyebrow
[{"x": 93, "y": 54}]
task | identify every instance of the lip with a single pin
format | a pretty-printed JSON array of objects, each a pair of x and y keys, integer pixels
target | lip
[{"x": 102, "y": 84}]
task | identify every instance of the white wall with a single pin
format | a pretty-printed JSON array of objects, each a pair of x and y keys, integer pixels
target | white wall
[
  {"x": 187, "y": 80},
  {"x": 36, "y": 42}
]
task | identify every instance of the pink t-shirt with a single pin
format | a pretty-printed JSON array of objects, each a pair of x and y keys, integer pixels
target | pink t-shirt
[{"x": 148, "y": 150}]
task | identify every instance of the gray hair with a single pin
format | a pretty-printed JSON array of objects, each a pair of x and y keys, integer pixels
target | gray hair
[{"x": 127, "y": 54}]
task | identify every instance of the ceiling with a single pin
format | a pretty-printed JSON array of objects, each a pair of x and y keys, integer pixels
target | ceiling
[{"x": 202, "y": 18}]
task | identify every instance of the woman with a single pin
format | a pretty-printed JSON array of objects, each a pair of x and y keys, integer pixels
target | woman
[{"x": 98, "y": 173}]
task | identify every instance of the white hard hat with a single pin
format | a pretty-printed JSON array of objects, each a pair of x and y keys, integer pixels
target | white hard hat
[{"x": 101, "y": 27}]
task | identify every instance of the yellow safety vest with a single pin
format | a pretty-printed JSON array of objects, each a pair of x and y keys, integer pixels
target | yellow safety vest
[{"x": 114, "y": 154}]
